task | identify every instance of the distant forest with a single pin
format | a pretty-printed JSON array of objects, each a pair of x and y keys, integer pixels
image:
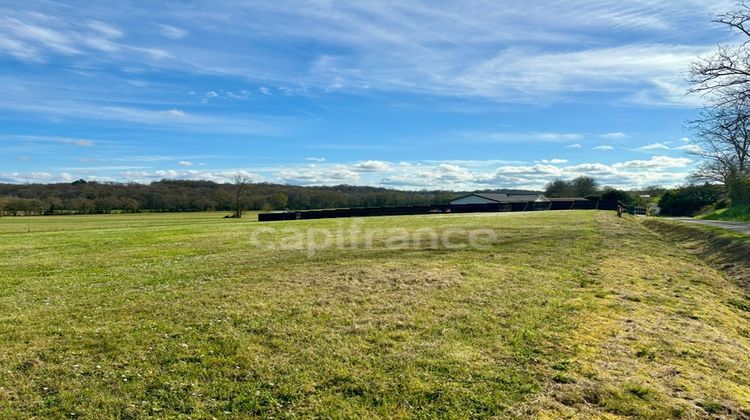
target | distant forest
[{"x": 82, "y": 197}]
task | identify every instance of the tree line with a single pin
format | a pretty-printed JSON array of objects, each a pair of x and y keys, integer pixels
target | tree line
[
  {"x": 589, "y": 188},
  {"x": 82, "y": 197},
  {"x": 91, "y": 197}
]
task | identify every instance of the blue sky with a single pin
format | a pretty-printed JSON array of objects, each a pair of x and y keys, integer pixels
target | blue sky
[{"x": 403, "y": 94}]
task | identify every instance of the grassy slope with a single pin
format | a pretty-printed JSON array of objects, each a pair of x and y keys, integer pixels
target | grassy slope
[
  {"x": 569, "y": 313},
  {"x": 721, "y": 248},
  {"x": 736, "y": 213}
]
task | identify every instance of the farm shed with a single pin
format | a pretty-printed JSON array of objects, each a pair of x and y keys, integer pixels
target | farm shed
[{"x": 493, "y": 198}]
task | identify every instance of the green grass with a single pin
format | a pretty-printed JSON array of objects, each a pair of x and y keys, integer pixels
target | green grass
[
  {"x": 736, "y": 213},
  {"x": 566, "y": 314}
]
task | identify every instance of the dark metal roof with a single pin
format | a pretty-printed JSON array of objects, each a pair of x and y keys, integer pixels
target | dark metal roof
[
  {"x": 568, "y": 199},
  {"x": 492, "y": 196},
  {"x": 523, "y": 198},
  {"x": 506, "y": 198}
]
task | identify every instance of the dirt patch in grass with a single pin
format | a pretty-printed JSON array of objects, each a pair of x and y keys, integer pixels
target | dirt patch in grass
[{"x": 382, "y": 277}]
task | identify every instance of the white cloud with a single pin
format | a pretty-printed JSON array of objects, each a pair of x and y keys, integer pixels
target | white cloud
[
  {"x": 473, "y": 175},
  {"x": 656, "y": 162},
  {"x": 175, "y": 113},
  {"x": 264, "y": 90},
  {"x": 315, "y": 159},
  {"x": 689, "y": 148},
  {"x": 552, "y": 161},
  {"x": 450, "y": 172},
  {"x": 614, "y": 136},
  {"x": 574, "y": 146},
  {"x": 550, "y": 170},
  {"x": 223, "y": 176},
  {"x": 371, "y": 166},
  {"x": 604, "y": 147},
  {"x": 316, "y": 176},
  {"x": 37, "y": 37},
  {"x": 534, "y": 74},
  {"x": 589, "y": 169},
  {"x": 424, "y": 177},
  {"x": 510, "y": 137},
  {"x": 24, "y": 178},
  {"x": 557, "y": 136},
  {"x": 185, "y": 163},
  {"x": 655, "y": 146},
  {"x": 239, "y": 95}
]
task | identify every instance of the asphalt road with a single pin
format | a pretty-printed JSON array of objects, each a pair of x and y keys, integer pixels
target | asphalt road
[{"x": 741, "y": 227}]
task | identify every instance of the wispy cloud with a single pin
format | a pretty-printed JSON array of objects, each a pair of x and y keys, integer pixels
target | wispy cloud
[
  {"x": 689, "y": 148},
  {"x": 501, "y": 136},
  {"x": 654, "y": 146},
  {"x": 104, "y": 29},
  {"x": 483, "y": 50},
  {"x": 172, "y": 118},
  {"x": 172, "y": 32},
  {"x": 79, "y": 142},
  {"x": 614, "y": 135}
]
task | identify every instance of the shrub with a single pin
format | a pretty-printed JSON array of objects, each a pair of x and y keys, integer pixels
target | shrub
[
  {"x": 739, "y": 191},
  {"x": 619, "y": 195},
  {"x": 687, "y": 201}
]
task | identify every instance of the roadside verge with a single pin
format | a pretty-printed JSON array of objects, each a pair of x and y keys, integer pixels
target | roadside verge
[{"x": 726, "y": 251}]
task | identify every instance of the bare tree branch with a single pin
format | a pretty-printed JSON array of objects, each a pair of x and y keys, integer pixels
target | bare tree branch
[
  {"x": 240, "y": 182},
  {"x": 724, "y": 76},
  {"x": 723, "y": 135}
]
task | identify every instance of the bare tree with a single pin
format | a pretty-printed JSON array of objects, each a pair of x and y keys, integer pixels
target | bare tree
[
  {"x": 723, "y": 128},
  {"x": 723, "y": 135},
  {"x": 240, "y": 183},
  {"x": 724, "y": 76}
]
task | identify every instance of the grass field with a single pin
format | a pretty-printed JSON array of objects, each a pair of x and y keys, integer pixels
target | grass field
[{"x": 565, "y": 313}]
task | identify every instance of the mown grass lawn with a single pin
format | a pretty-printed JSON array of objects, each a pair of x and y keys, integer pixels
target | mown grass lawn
[{"x": 565, "y": 313}]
